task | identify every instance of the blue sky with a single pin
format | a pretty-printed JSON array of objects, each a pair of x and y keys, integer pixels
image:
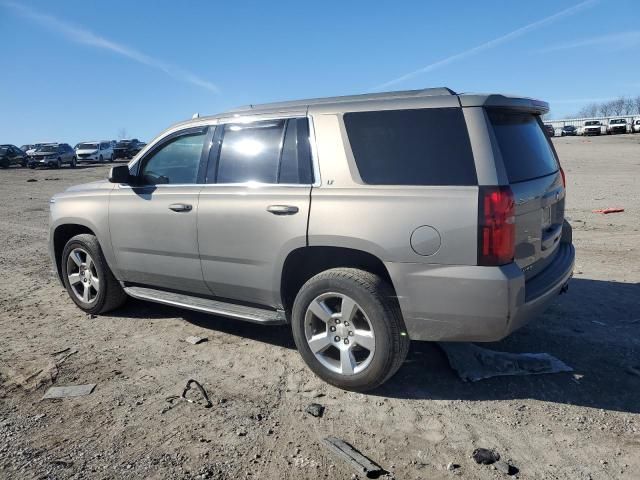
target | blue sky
[{"x": 78, "y": 70}]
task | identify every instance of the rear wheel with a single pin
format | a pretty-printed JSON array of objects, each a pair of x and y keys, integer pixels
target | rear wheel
[
  {"x": 348, "y": 328},
  {"x": 87, "y": 277},
  {"x": 74, "y": 162},
  {"x": 58, "y": 163}
]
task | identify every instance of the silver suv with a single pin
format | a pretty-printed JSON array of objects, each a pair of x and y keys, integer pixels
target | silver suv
[{"x": 364, "y": 221}]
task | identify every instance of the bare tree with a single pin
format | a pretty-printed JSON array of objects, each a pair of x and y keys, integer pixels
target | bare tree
[
  {"x": 590, "y": 110},
  {"x": 122, "y": 133},
  {"x": 605, "y": 109},
  {"x": 617, "y": 106},
  {"x": 636, "y": 102},
  {"x": 629, "y": 106}
]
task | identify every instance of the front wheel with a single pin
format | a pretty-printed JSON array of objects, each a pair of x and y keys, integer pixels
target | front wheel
[
  {"x": 87, "y": 277},
  {"x": 74, "y": 162},
  {"x": 348, "y": 327}
]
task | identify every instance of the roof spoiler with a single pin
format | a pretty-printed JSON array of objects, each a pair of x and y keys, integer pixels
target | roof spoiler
[{"x": 531, "y": 105}]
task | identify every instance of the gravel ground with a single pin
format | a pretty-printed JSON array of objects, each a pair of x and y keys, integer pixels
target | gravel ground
[{"x": 565, "y": 426}]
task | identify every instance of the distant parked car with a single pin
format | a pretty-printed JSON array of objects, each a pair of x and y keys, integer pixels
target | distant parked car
[
  {"x": 636, "y": 126},
  {"x": 32, "y": 148},
  {"x": 94, "y": 151},
  {"x": 126, "y": 148},
  {"x": 616, "y": 125},
  {"x": 12, "y": 155},
  {"x": 549, "y": 129},
  {"x": 53, "y": 155},
  {"x": 568, "y": 131},
  {"x": 591, "y": 127}
]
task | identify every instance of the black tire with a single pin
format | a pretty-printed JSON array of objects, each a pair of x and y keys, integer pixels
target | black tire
[
  {"x": 101, "y": 159},
  {"x": 109, "y": 297},
  {"x": 4, "y": 163},
  {"x": 377, "y": 299},
  {"x": 74, "y": 162},
  {"x": 58, "y": 163}
]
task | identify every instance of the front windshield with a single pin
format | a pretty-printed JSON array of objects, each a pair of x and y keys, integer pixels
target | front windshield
[
  {"x": 619, "y": 121},
  {"x": 48, "y": 148},
  {"x": 588, "y": 124},
  {"x": 87, "y": 146}
]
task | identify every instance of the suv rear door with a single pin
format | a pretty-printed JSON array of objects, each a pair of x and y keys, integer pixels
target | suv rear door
[
  {"x": 533, "y": 172},
  {"x": 255, "y": 206}
]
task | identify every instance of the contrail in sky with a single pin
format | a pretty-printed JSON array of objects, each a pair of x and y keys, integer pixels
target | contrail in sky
[
  {"x": 87, "y": 37},
  {"x": 492, "y": 43}
]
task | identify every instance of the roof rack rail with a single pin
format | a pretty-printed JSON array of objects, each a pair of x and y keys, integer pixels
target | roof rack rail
[{"x": 346, "y": 98}]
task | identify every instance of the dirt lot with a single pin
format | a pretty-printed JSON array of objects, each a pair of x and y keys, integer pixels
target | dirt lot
[{"x": 567, "y": 426}]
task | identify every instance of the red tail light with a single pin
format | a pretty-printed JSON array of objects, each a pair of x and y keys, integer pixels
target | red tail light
[
  {"x": 496, "y": 226},
  {"x": 564, "y": 179}
]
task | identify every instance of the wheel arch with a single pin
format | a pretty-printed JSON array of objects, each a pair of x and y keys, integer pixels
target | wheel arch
[
  {"x": 303, "y": 263},
  {"x": 59, "y": 238}
]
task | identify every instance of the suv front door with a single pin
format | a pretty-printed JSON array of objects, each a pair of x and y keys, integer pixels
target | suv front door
[
  {"x": 255, "y": 206},
  {"x": 153, "y": 222}
]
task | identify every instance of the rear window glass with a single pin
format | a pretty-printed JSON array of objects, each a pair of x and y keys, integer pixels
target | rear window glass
[
  {"x": 411, "y": 147},
  {"x": 525, "y": 148}
]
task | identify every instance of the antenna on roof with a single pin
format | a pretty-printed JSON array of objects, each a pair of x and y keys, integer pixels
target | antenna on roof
[{"x": 196, "y": 115}]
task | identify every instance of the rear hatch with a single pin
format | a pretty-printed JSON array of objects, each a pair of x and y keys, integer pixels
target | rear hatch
[{"x": 534, "y": 174}]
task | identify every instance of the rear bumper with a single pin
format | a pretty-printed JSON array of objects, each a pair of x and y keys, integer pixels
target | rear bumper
[{"x": 473, "y": 303}]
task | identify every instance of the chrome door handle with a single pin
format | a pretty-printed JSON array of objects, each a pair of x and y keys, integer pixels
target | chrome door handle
[
  {"x": 282, "y": 209},
  {"x": 180, "y": 207}
]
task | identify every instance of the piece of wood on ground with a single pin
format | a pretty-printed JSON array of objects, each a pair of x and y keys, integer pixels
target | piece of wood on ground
[
  {"x": 359, "y": 462},
  {"x": 195, "y": 340},
  {"x": 69, "y": 391}
]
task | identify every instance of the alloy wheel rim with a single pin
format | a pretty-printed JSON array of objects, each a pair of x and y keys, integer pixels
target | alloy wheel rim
[
  {"x": 339, "y": 333},
  {"x": 83, "y": 275}
]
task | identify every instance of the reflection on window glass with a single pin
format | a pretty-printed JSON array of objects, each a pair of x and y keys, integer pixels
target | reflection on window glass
[
  {"x": 176, "y": 162},
  {"x": 250, "y": 152}
]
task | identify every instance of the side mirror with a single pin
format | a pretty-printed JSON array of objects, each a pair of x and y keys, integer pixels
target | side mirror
[{"x": 120, "y": 174}]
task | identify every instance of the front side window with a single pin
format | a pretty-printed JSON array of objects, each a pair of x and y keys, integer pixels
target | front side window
[
  {"x": 411, "y": 147},
  {"x": 175, "y": 162}
]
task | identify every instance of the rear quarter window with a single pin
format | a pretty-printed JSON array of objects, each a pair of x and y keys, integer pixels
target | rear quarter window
[
  {"x": 411, "y": 147},
  {"x": 526, "y": 150}
]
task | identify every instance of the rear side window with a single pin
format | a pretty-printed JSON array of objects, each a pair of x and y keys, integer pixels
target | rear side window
[
  {"x": 272, "y": 151},
  {"x": 411, "y": 147},
  {"x": 526, "y": 151},
  {"x": 250, "y": 152}
]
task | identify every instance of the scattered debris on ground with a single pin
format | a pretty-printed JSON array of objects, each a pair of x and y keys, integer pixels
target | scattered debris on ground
[
  {"x": 485, "y": 456},
  {"x": 473, "y": 363},
  {"x": 452, "y": 466},
  {"x": 606, "y": 211},
  {"x": 195, "y": 340},
  {"x": 353, "y": 457},
  {"x": 32, "y": 180},
  {"x": 315, "y": 409},
  {"x": 504, "y": 467},
  {"x": 208, "y": 403},
  {"x": 69, "y": 391}
]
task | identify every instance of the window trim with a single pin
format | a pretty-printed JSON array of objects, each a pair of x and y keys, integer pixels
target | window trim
[{"x": 137, "y": 167}]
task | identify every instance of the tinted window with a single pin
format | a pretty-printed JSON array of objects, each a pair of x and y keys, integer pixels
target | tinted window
[
  {"x": 295, "y": 165},
  {"x": 176, "y": 162},
  {"x": 412, "y": 147},
  {"x": 250, "y": 152},
  {"x": 526, "y": 151}
]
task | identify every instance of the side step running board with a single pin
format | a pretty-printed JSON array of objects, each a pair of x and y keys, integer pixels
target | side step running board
[{"x": 214, "y": 307}]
